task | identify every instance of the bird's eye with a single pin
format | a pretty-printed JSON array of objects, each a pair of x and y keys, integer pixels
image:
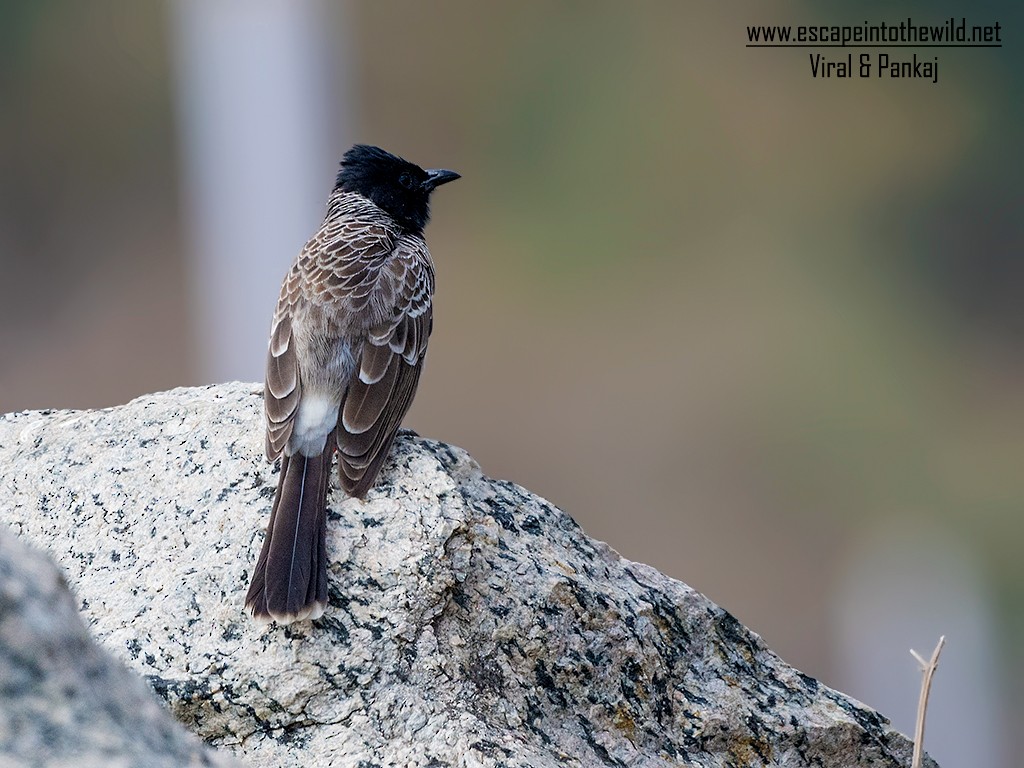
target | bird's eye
[{"x": 406, "y": 180}]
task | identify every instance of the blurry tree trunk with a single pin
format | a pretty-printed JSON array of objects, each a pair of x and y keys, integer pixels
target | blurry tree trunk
[{"x": 258, "y": 105}]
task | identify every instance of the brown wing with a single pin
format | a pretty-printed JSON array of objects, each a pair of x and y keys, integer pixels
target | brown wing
[
  {"x": 282, "y": 388},
  {"x": 389, "y": 369}
]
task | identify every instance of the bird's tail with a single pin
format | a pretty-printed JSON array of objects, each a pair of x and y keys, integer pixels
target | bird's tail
[{"x": 289, "y": 582}]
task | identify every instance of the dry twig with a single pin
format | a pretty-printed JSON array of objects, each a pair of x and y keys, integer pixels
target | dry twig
[{"x": 928, "y": 669}]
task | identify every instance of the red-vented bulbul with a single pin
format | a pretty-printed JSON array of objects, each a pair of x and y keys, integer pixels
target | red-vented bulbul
[{"x": 346, "y": 348}]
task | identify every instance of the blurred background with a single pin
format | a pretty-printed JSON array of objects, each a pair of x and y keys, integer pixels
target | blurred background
[{"x": 760, "y": 330}]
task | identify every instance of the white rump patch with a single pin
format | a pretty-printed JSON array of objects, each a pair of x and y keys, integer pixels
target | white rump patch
[{"x": 316, "y": 417}]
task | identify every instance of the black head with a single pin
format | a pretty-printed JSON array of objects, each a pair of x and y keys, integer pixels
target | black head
[{"x": 399, "y": 187}]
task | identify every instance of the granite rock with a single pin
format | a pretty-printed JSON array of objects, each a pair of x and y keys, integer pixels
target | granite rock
[
  {"x": 470, "y": 623},
  {"x": 63, "y": 700}
]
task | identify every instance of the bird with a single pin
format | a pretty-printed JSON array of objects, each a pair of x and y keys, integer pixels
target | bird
[{"x": 347, "y": 345}]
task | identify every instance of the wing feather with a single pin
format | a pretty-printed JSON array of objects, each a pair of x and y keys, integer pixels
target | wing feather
[
  {"x": 375, "y": 363},
  {"x": 282, "y": 388},
  {"x": 389, "y": 371},
  {"x": 366, "y": 401}
]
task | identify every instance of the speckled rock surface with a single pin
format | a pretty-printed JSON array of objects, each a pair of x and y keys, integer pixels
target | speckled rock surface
[
  {"x": 63, "y": 700},
  {"x": 470, "y": 623}
]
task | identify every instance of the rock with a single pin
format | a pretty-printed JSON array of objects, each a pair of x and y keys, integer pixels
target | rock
[
  {"x": 471, "y": 623},
  {"x": 63, "y": 700}
]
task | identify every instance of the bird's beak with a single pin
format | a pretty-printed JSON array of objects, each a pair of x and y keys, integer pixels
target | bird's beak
[{"x": 438, "y": 176}]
